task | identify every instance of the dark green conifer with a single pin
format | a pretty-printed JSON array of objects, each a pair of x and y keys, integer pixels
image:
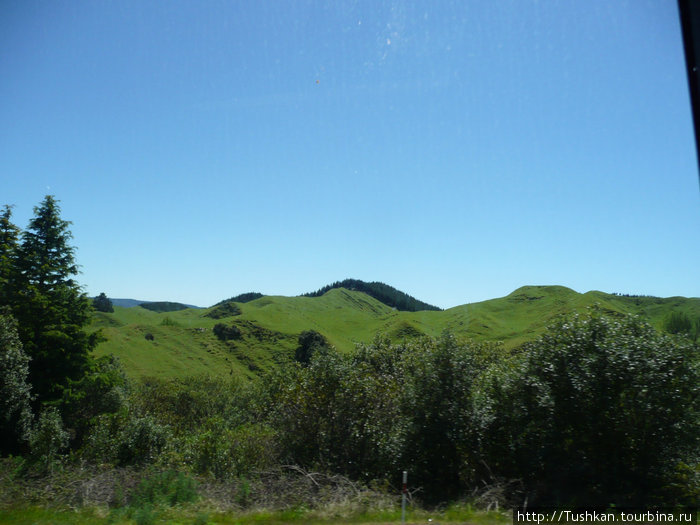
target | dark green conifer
[
  {"x": 101, "y": 303},
  {"x": 51, "y": 309},
  {"x": 9, "y": 247}
]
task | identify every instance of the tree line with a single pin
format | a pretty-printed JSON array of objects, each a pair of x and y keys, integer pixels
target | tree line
[{"x": 381, "y": 292}]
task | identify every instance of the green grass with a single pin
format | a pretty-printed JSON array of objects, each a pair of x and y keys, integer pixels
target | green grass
[
  {"x": 185, "y": 345},
  {"x": 196, "y": 514}
]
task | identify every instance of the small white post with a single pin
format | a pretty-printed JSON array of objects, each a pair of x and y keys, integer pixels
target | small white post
[{"x": 403, "y": 497}]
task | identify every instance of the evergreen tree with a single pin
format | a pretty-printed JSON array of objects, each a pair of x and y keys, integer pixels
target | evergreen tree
[
  {"x": 101, "y": 303},
  {"x": 51, "y": 308},
  {"x": 9, "y": 246}
]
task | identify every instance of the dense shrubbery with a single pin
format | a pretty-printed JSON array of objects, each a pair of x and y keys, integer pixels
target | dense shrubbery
[
  {"x": 225, "y": 309},
  {"x": 310, "y": 341},
  {"x": 680, "y": 323},
  {"x": 226, "y": 332},
  {"x": 597, "y": 411}
]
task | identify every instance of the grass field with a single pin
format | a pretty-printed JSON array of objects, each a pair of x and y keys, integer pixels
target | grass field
[
  {"x": 183, "y": 342},
  {"x": 195, "y": 515}
]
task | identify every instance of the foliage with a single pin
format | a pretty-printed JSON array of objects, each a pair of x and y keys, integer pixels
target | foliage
[
  {"x": 9, "y": 248},
  {"x": 226, "y": 332},
  {"x": 15, "y": 391},
  {"x": 242, "y": 298},
  {"x": 186, "y": 404},
  {"x": 230, "y": 452},
  {"x": 381, "y": 292},
  {"x": 597, "y": 411},
  {"x": 102, "y": 390},
  {"x": 384, "y": 408},
  {"x": 225, "y": 309},
  {"x": 48, "y": 439},
  {"x": 443, "y": 429},
  {"x": 101, "y": 303},
  {"x": 141, "y": 440},
  {"x": 310, "y": 341},
  {"x": 125, "y": 438},
  {"x": 163, "y": 306},
  {"x": 49, "y": 306},
  {"x": 680, "y": 323},
  {"x": 165, "y": 488}
]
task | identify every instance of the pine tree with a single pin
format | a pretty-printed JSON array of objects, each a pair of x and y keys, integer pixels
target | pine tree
[
  {"x": 51, "y": 309},
  {"x": 9, "y": 246}
]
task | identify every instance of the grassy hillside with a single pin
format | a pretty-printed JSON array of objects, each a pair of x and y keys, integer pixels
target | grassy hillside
[{"x": 184, "y": 343}]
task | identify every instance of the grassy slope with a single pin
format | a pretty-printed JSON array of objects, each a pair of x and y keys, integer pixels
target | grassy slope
[{"x": 185, "y": 345}]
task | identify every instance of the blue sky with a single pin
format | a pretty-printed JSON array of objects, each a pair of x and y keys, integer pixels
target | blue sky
[{"x": 454, "y": 150}]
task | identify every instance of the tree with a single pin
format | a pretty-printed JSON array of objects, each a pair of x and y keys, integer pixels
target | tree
[
  {"x": 438, "y": 401},
  {"x": 9, "y": 246},
  {"x": 15, "y": 392},
  {"x": 678, "y": 323},
  {"x": 309, "y": 342},
  {"x": 102, "y": 304},
  {"x": 51, "y": 309}
]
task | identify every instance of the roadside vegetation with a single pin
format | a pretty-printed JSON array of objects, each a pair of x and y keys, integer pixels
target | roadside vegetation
[{"x": 599, "y": 410}]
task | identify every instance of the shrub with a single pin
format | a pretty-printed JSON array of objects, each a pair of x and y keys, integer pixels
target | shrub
[
  {"x": 597, "y": 411},
  {"x": 102, "y": 390},
  {"x": 678, "y": 323},
  {"x": 141, "y": 440},
  {"x": 165, "y": 488},
  {"x": 225, "y": 309},
  {"x": 15, "y": 390},
  {"x": 310, "y": 341},
  {"x": 226, "y": 332},
  {"x": 48, "y": 439},
  {"x": 226, "y": 452}
]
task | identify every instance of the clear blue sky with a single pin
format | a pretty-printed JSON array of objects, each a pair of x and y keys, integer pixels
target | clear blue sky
[{"x": 455, "y": 150}]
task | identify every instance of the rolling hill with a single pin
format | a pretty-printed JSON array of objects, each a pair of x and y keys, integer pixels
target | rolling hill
[{"x": 183, "y": 342}]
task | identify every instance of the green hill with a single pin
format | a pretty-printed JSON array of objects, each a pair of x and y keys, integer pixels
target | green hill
[
  {"x": 183, "y": 342},
  {"x": 384, "y": 293}
]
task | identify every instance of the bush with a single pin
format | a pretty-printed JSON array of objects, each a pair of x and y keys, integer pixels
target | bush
[
  {"x": 225, "y": 309},
  {"x": 678, "y": 323},
  {"x": 15, "y": 390},
  {"x": 102, "y": 390},
  {"x": 385, "y": 408},
  {"x": 226, "y": 452},
  {"x": 48, "y": 439},
  {"x": 166, "y": 488},
  {"x": 597, "y": 411},
  {"x": 310, "y": 341},
  {"x": 226, "y": 332},
  {"x": 141, "y": 440}
]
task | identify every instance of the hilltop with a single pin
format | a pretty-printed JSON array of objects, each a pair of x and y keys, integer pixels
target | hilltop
[
  {"x": 384, "y": 293},
  {"x": 183, "y": 342}
]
